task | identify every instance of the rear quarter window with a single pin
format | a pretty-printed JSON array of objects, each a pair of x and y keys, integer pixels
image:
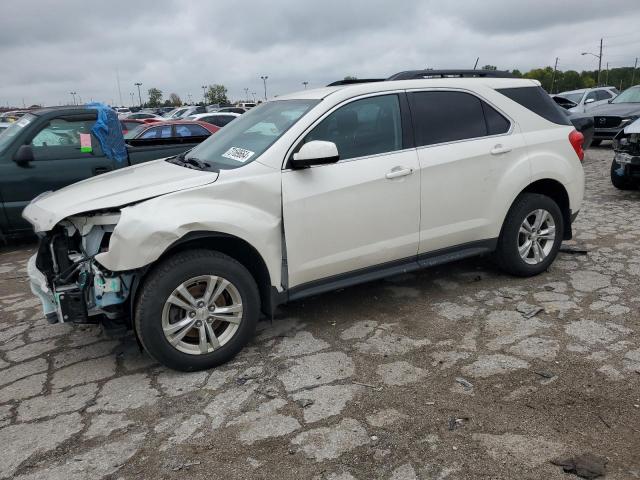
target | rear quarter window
[{"x": 538, "y": 101}]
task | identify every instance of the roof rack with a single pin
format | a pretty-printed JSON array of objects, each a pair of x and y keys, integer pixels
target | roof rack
[
  {"x": 420, "y": 74},
  {"x": 354, "y": 80}
]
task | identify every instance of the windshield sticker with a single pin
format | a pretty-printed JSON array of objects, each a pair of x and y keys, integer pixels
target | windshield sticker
[
  {"x": 85, "y": 143},
  {"x": 238, "y": 154},
  {"x": 23, "y": 122}
]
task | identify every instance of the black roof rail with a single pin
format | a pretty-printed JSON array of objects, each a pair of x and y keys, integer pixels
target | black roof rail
[
  {"x": 420, "y": 74},
  {"x": 354, "y": 80}
]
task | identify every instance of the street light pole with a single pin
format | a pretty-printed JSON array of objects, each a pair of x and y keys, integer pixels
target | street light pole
[
  {"x": 246, "y": 94},
  {"x": 204, "y": 94},
  {"x": 138, "y": 84},
  {"x": 599, "y": 57},
  {"x": 264, "y": 81},
  {"x": 132, "y": 100},
  {"x": 633, "y": 74},
  {"x": 254, "y": 96},
  {"x": 73, "y": 95},
  {"x": 553, "y": 77},
  {"x": 305, "y": 84}
]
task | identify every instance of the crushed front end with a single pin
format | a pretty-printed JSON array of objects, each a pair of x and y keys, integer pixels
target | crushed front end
[
  {"x": 626, "y": 146},
  {"x": 71, "y": 284}
]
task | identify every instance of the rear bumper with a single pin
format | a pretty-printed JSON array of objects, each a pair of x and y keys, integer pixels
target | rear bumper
[{"x": 605, "y": 133}]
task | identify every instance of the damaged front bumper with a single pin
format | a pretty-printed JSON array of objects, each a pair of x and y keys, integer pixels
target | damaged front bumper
[{"x": 71, "y": 284}]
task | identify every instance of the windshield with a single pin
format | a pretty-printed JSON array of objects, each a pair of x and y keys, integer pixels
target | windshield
[
  {"x": 131, "y": 134},
  {"x": 7, "y": 136},
  {"x": 248, "y": 136},
  {"x": 630, "y": 95},
  {"x": 573, "y": 97}
]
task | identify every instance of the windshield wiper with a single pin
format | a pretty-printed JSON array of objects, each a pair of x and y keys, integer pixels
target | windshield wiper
[
  {"x": 197, "y": 163},
  {"x": 191, "y": 162}
]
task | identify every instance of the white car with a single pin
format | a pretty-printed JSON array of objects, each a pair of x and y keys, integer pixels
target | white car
[
  {"x": 586, "y": 98},
  {"x": 141, "y": 116},
  {"x": 183, "y": 112},
  {"x": 314, "y": 191},
  {"x": 215, "y": 118}
]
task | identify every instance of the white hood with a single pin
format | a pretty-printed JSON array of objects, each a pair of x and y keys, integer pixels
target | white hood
[{"x": 114, "y": 189}]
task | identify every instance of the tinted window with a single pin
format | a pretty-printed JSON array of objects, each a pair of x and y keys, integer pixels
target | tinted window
[
  {"x": 191, "y": 130},
  {"x": 363, "y": 127},
  {"x": 591, "y": 96},
  {"x": 496, "y": 123},
  {"x": 603, "y": 95},
  {"x": 219, "y": 120},
  {"x": 536, "y": 100},
  {"x": 440, "y": 117},
  {"x": 157, "y": 132},
  {"x": 130, "y": 125}
]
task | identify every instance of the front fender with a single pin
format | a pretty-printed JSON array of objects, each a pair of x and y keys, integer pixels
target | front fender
[{"x": 249, "y": 211}]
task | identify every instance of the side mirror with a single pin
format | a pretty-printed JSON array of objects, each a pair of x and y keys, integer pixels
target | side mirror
[
  {"x": 589, "y": 100},
  {"x": 24, "y": 155},
  {"x": 316, "y": 152}
]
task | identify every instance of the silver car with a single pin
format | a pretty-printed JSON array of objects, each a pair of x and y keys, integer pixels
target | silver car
[{"x": 586, "y": 98}]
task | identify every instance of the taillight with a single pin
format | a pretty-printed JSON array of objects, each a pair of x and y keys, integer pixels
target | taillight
[{"x": 576, "y": 139}]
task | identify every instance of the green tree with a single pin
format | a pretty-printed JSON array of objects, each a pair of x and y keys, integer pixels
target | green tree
[
  {"x": 155, "y": 97},
  {"x": 516, "y": 73},
  {"x": 174, "y": 100},
  {"x": 350, "y": 77},
  {"x": 217, "y": 94}
]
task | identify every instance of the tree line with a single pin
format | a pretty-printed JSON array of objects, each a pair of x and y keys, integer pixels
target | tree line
[
  {"x": 214, "y": 94},
  {"x": 621, "y": 78}
]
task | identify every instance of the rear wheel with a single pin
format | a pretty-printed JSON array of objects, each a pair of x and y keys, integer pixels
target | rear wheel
[
  {"x": 618, "y": 179},
  {"x": 196, "y": 310},
  {"x": 531, "y": 235}
]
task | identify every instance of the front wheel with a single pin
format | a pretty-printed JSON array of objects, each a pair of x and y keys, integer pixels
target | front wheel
[
  {"x": 618, "y": 179},
  {"x": 196, "y": 310},
  {"x": 531, "y": 235}
]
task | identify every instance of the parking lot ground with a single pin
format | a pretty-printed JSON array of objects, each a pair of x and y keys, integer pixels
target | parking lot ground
[{"x": 457, "y": 372}]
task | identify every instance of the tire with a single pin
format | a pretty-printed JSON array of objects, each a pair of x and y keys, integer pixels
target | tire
[
  {"x": 619, "y": 181},
  {"x": 195, "y": 270},
  {"x": 595, "y": 143},
  {"x": 524, "y": 208}
]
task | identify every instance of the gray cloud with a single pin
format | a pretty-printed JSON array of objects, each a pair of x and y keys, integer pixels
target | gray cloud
[{"x": 50, "y": 48}]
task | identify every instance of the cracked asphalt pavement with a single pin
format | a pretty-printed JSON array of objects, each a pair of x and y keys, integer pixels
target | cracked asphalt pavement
[{"x": 458, "y": 372}]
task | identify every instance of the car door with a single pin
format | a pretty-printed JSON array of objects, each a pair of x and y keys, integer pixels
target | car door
[
  {"x": 464, "y": 147},
  {"x": 58, "y": 161},
  {"x": 362, "y": 211}
]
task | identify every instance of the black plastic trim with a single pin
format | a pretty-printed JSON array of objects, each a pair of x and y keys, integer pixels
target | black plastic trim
[{"x": 387, "y": 269}]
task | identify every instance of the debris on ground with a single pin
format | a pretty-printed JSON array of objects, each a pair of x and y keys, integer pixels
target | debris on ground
[
  {"x": 465, "y": 383},
  {"x": 587, "y": 466},
  {"x": 304, "y": 402},
  {"x": 185, "y": 466},
  {"x": 545, "y": 373},
  {"x": 455, "y": 422},
  {"x": 574, "y": 250},
  {"x": 528, "y": 311}
]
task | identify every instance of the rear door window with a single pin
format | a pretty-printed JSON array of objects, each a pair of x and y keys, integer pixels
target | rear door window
[{"x": 191, "y": 130}]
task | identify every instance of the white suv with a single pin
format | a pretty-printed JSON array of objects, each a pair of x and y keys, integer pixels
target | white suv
[{"x": 317, "y": 190}]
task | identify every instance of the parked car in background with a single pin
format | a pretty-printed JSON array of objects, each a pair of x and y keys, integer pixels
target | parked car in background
[
  {"x": 581, "y": 100},
  {"x": 246, "y": 105},
  {"x": 143, "y": 116},
  {"x": 42, "y": 151},
  {"x": 309, "y": 193},
  {"x": 4, "y": 126},
  {"x": 625, "y": 167},
  {"x": 170, "y": 132},
  {"x": 238, "y": 110},
  {"x": 219, "y": 119},
  {"x": 130, "y": 124},
  {"x": 182, "y": 112},
  {"x": 610, "y": 118},
  {"x": 12, "y": 116},
  {"x": 163, "y": 110},
  {"x": 122, "y": 110}
]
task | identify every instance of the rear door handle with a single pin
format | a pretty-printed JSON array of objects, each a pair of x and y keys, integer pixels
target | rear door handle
[
  {"x": 398, "y": 172},
  {"x": 499, "y": 149},
  {"x": 99, "y": 170}
]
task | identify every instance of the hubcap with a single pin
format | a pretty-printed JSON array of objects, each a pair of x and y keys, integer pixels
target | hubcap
[
  {"x": 536, "y": 236},
  {"x": 202, "y": 314}
]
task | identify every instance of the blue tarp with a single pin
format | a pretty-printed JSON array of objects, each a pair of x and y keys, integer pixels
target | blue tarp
[{"x": 108, "y": 131}]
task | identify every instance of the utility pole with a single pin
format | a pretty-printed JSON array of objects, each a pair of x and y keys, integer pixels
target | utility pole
[
  {"x": 553, "y": 77},
  {"x": 73, "y": 95},
  {"x": 305, "y": 84},
  {"x": 476, "y": 64},
  {"x": 119, "y": 90},
  {"x": 254, "y": 96},
  {"x": 633, "y": 74},
  {"x": 138, "y": 84},
  {"x": 132, "y": 100},
  {"x": 607, "y": 75},
  {"x": 204, "y": 94},
  {"x": 264, "y": 80},
  {"x": 600, "y": 62}
]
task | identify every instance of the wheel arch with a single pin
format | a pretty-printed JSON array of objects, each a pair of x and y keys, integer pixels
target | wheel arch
[
  {"x": 231, "y": 245},
  {"x": 558, "y": 193}
]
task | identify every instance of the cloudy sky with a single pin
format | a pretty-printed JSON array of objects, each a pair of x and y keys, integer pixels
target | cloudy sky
[{"x": 50, "y": 48}]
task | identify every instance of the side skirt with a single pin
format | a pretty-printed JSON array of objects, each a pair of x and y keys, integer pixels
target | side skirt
[{"x": 425, "y": 260}]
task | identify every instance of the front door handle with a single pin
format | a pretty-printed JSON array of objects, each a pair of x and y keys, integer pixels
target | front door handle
[
  {"x": 499, "y": 149},
  {"x": 99, "y": 170},
  {"x": 398, "y": 172}
]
